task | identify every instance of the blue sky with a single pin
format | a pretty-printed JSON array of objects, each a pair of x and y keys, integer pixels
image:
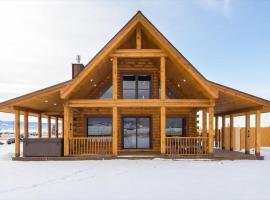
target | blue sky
[{"x": 228, "y": 41}]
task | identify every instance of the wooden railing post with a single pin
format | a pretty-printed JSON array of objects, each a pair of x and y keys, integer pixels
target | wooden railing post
[
  {"x": 17, "y": 133},
  {"x": 258, "y": 133},
  {"x": 211, "y": 129},
  {"x": 115, "y": 132},
  {"x": 162, "y": 130}
]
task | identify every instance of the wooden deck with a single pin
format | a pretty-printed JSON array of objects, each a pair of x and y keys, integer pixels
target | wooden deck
[{"x": 217, "y": 155}]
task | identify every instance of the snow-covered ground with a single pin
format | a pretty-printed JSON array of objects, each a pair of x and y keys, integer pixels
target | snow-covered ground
[{"x": 134, "y": 179}]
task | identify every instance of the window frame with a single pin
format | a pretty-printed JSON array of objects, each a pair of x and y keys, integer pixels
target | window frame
[
  {"x": 98, "y": 116},
  {"x": 137, "y": 85}
]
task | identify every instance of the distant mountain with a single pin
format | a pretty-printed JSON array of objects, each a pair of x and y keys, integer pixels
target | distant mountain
[{"x": 8, "y": 126}]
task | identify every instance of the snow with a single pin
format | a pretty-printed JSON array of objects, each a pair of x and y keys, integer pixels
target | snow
[{"x": 134, "y": 179}]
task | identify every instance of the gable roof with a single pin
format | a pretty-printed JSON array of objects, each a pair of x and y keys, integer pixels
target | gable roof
[{"x": 112, "y": 44}]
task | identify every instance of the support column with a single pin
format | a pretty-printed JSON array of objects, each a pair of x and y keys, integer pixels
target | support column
[
  {"x": 162, "y": 78},
  {"x": 162, "y": 130},
  {"x": 231, "y": 131},
  {"x": 25, "y": 123},
  {"x": 223, "y": 131},
  {"x": 114, "y": 78},
  {"x": 49, "y": 126},
  {"x": 216, "y": 131},
  {"x": 17, "y": 133},
  {"x": 211, "y": 129},
  {"x": 39, "y": 126},
  {"x": 115, "y": 131},
  {"x": 56, "y": 127},
  {"x": 258, "y": 133},
  {"x": 204, "y": 122},
  {"x": 247, "y": 133},
  {"x": 67, "y": 128}
]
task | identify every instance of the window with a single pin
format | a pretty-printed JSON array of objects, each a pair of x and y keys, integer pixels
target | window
[
  {"x": 175, "y": 126},
  {"x": 99, "y": 126},
  {"x": 136, "y": 86}
]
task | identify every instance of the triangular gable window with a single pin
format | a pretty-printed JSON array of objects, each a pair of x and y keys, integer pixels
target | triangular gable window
[{"x": 107, "y": 94}]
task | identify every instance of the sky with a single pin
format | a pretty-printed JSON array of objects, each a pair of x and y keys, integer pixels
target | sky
[{"x": 228, "y": 41}]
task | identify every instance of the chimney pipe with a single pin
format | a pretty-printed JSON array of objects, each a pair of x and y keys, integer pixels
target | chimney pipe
[{"x": 77, "y": 67}]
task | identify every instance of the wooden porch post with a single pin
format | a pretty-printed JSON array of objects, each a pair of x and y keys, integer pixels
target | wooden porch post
[
  {"x": 231, "y": 131},
  {"x": 25, "y": 123},
  {"x": 56, "y": 127},
  {"x": 223, "y": 131},
  {"x": 49, "y": 126},
  {"x": 247, "y": 133},
  {"x": 162, "y": 78},
  {"x": 115, "y": 131},
  {"x": 39, "y": 126},
  {"x": 216, "y": 131},
  {"x": 204, "y": 122},
  {"x": 67, "y": 128},
  {"x": 17, "y": 133},
  {"x": 162, "y": 130},
  {"x": 258, "y": 133},
  {"x": 211, "y": 129}
]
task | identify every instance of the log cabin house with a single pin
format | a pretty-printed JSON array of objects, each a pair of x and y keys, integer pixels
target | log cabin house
[{"x": 138, "y": 95}]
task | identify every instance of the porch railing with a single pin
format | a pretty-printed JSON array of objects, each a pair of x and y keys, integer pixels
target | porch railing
[
  {"x": 186, "y": 145},
  {"x": 101, "y": 145}
]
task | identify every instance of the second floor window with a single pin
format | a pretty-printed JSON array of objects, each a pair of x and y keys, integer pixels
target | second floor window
[{"x": 136, "y": 86}]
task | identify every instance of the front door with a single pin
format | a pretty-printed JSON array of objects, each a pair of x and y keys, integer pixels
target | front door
[{"x": 136, "y": 132}]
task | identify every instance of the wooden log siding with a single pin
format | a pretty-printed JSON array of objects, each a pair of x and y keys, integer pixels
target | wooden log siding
[
  {"x": 101, "y": 145},
  {"x": 186, "y": 145}
]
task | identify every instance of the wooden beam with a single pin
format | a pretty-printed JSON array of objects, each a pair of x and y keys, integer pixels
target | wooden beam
[
  {"x": 258, "y": 133},
  {"x": 138, "y": 53},
  {"x": 138, "y": 38},
  {"x": 204, "y": 123},
  {"x": 56, "y": 127},
  {"x": 17, "y": 133},
  {"x": 239, "y": 111},
  {"x": 162, "y": 130},
  {"x": 107, "y": 103},
  {"x": 231, "y": 132},
  {"x": 114, "y": 78},
  {"x": 49, "y": 126},
  {"x": 19, "y": 108},
  {"x": 223, "y": 131},
  {"x": 210, "y": 129},
  {"x": 39, "y": 126},
  {"x": 162, "y": 78},
  {"x": 115, "y": 132},
  {"x": 25, "y": 123},
  {"x": 247, "y": 133}
]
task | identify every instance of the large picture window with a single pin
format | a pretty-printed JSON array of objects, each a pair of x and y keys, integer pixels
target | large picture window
[
  {"x": 136, "y": 86},
  {"x": 175, "y": 126},
  {"x": 99, "y": 126}
]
